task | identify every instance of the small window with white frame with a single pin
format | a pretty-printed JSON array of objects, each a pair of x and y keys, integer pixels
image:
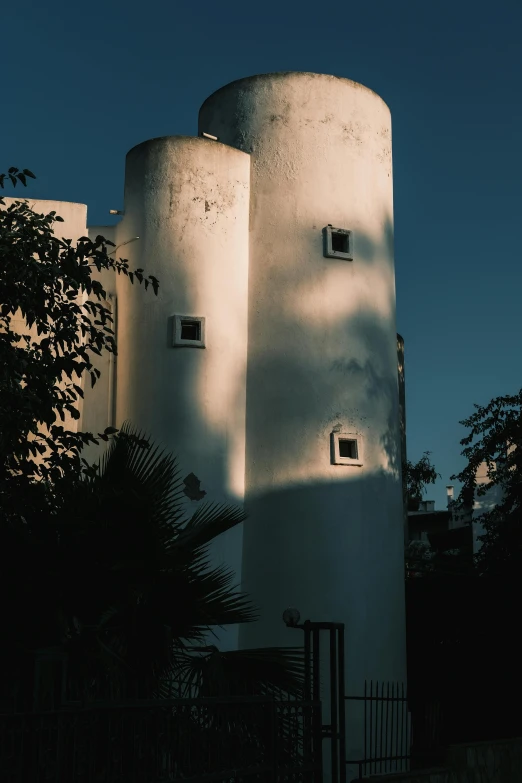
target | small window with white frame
[
  {"x": 188, "y": 331},
  {"x": 338, "y": 243},
  {"x": 346, "y": 449}
]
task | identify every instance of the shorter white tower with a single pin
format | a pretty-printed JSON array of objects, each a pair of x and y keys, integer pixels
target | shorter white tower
[{"x": 182, "y": 355}]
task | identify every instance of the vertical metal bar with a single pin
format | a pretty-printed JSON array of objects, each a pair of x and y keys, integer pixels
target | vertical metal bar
[
  {"x": 159, "y": 770},
  {"x": 365, "y": 722},
  {"x": 342, "y": 705},
  {"x": 371, "y": 722},
  {"x": 399, "y": 726},
  {"x": 316, "y": 686},
  {"x": 391, "y": 726},
  {"x": 387, "y": 765},
  {"x": 397, "y": 734},
  {"x": 376, "y": 725},
  {"x": 309, "y": 715},
  {"x": 408, "y": 732},
  {"x": 403, "y": 738},
  {"x": 316, "y": 665},
  {"x": 381, "y": 754},
  {"x": 333, "y": 708},
  {"x": 307, "y": 653}
]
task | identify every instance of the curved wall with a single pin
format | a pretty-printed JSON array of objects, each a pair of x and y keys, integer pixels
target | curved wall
[
  {"x": 326, "y": 538},
  {"x": 187, "y": 199}
]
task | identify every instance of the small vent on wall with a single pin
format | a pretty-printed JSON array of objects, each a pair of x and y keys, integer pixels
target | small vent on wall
[
  {"x": 346, "y": 449},
  {"x": 189, "y": 331},
  {"x": 338, "y": 243}
]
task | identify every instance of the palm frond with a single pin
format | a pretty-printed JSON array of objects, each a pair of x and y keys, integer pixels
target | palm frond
[
  {"x": 139, "y": 577},
  {"x": 136, "y": 471},
  {"x": 262, "y": 671},
  {"x": 209, "y": 521},
  {"x": 216, "y": 600}
]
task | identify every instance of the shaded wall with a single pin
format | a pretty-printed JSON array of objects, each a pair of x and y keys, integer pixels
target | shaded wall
[
  {"x": 402, "y": 424},
  {"x": 322, "y": 358}
]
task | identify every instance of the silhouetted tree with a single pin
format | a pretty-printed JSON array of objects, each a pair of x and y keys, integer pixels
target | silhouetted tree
[
  {"x": 53, "y": 320},
  {"x": 495, "y": 438},
  {"x": 418, "y": 475},
  {"x": 121, "y": 579}
]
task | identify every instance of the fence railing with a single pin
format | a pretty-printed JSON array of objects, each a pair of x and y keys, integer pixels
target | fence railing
[
  {"x": 198, "y": 740},
  {"x": 174, "y": 687},
  {"x": 387, "y": 731}
]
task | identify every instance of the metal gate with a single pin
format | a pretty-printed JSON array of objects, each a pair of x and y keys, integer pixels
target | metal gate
[
  {"x": 334, "y": 730},
  {"x": 384, "y": 708}
]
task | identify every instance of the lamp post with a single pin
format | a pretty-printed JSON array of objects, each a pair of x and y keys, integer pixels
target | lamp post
[{"x": 336, "y": 729}]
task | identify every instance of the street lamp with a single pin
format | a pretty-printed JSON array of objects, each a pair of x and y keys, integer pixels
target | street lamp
[{"x": 291, "y": 617}]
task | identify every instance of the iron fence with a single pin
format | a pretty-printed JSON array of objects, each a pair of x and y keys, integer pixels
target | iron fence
[
  {"x": 250, "y": 740},
  {"x": 387, "y": 731},
  {"x": 170, "y": 687}
]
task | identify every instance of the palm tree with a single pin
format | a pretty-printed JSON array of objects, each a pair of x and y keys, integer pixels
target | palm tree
[
  {"x": 136, "y": 589},
  {"x": 121, "y": 581}
]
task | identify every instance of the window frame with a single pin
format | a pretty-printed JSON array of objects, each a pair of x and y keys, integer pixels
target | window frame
[
  {"x": 329, "y": 252},
  {"x": 336, "y": 437},
  {"x": 178, "y": 341}
]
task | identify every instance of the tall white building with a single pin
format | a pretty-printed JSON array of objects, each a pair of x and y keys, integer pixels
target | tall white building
[{"x": 268, "y": 361}]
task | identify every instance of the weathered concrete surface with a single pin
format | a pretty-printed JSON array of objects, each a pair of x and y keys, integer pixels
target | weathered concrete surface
[
  {"x": 322, "y": 357},
  {"x": 187, "y": 199}
]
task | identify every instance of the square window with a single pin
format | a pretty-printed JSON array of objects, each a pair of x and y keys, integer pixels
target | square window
[
  {"x": 338, "y": 243},
  {"x": 188, "y": 331},
  {"x": 346, "y": 449}
]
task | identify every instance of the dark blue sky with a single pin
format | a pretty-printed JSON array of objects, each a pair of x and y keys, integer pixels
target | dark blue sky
[{"x": 84, "y": 82}]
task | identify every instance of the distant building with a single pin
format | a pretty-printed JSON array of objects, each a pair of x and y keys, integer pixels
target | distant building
[
  {"x": 456, "y": 529},
  {"x": 440, "y": 531}
]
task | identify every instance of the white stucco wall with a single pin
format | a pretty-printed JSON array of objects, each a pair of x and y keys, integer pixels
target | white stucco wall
[
  {"x": 188, "y": 201},
  {"x": 99, "y": 401},
  {"x": 325, "y": 538},
  {"x": 74, "y": 215},
  {"x": 74, "y": 226}
]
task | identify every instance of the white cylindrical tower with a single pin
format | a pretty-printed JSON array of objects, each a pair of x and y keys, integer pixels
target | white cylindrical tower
[
  {"x": 181, "y": 365},
  {"x": 323, "y": 474}
]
